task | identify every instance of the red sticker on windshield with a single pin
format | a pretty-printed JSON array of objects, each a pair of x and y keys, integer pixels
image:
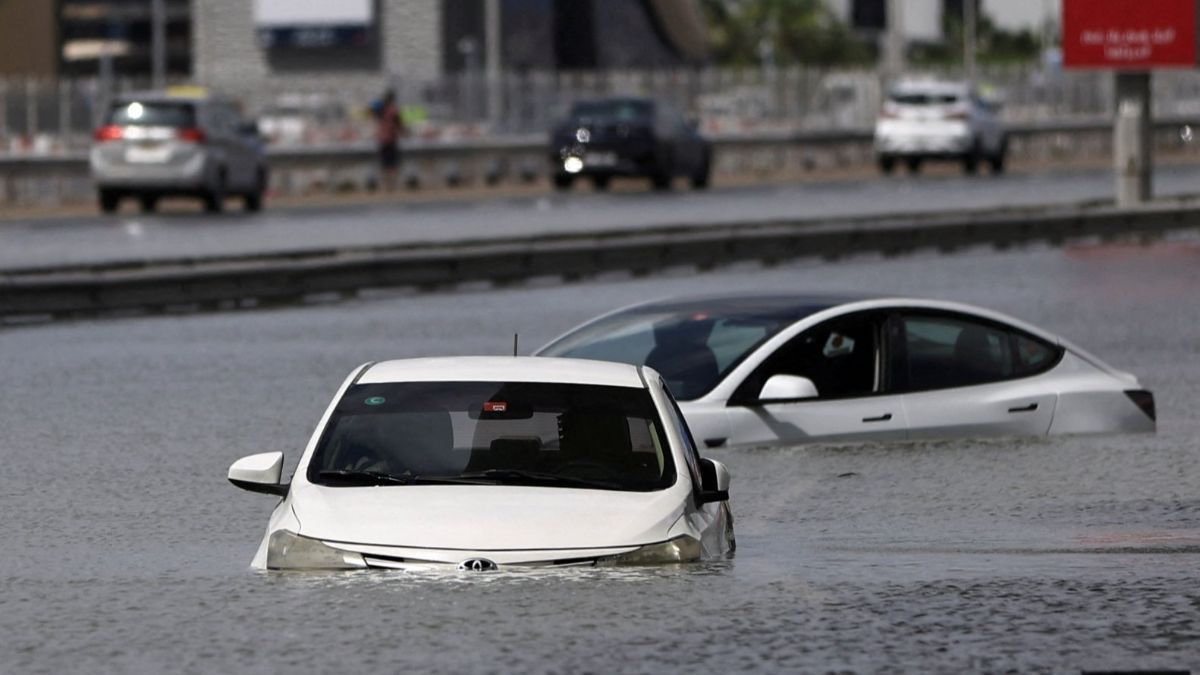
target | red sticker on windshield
[{"x": 495, "y": 406}]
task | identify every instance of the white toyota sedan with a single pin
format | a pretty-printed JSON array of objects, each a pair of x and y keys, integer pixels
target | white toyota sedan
[
  {"x": 484, "y": 462},
  {"x": 784, "y": 369}
]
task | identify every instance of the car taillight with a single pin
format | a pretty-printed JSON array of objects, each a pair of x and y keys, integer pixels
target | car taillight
[
  {"x": 109, "y": 132},
  {"x": 1144, "y": 400},
  {"x": 956, "y": 115},
  {"x": 190, "y": 134}
]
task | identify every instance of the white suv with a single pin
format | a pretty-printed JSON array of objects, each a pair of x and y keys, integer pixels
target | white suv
[{"x": 936, "y": 120}]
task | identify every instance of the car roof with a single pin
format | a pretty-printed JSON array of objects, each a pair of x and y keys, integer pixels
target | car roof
[
  {"x": 929, "y": 86},
  {"x": 160, "y": 96},
  {"x": 789, "y": 306},
  {"x": 503, "y": 369}
]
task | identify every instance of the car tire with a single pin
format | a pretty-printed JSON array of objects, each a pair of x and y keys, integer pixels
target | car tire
[
  {"x": 563, "y": 181},
  {"x": 997, "y": 160},
  {"x": 214, "y": 199},
  {"x": 252, "y": 201},
  {"x": 600, "y": 183},
  {"x": 109, "y": 200},
  {"x": 971, "y": 160},
  {"x": 914, "y": 165},
  {"x": 701, "y": 178},
  {"x": 149, "y": 203},
  {"x": 887, "y": 164},
  {"x": 661, "y": 179}
]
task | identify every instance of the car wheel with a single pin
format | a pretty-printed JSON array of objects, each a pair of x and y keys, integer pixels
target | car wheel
[
  {"x": 601, "y": 182},
  {"x": 886, "y": 164},
  {"x": 252, "y": 201},
  {"x": 914, "y": 165},
  {"x": 702, "y": 176},
  {"x": 214, "y": 200},
  {"x": 149, "y": 203},
  {"x": 563, "y": 181},
  {"x": 661, "y": 179},
  {"x": 997, "y": 160},
  {"x": 109, "y": 200},
  {"x": 971, "y": 160}
]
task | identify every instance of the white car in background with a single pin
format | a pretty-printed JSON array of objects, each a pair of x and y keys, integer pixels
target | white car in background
[
  {"x": 934, "y": 120},
  {"x": 768, "y": 369},
  {"x": 485, "y": 462}
]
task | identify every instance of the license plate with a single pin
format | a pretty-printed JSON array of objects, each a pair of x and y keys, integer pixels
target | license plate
[
  {"x": 147, "y": 154},
  {"x": 600, "y": 158}
]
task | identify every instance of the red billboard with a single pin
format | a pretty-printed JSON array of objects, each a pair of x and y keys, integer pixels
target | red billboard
[{"x": 1129, "y": 34}]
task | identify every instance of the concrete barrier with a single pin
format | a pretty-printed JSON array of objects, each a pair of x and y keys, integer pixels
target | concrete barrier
[{"x": 187, "y": 284}]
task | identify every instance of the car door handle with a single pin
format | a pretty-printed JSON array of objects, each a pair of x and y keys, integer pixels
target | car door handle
[
  {"x": 1025, "y": 408},
  {"x": 882, "y": 418}
]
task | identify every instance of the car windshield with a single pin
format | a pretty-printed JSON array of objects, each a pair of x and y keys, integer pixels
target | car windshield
[
  {"x": 156, "y": 114},
  {"x": 692, "y": 349},
  {"x": 624, "y": 111},
  {"x": 512, "y": 433}
]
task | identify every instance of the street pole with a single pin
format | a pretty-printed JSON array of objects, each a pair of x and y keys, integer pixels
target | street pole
[
  {"x": 1133, "y": 158},
  {"x": 893, "y": 41},
  {"x": 158, "y": 43},
  {"x": 969, "y": 41},
  {"x": 492, "y": 39}
]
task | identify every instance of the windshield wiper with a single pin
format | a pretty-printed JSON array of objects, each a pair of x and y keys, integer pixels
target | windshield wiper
[
  {"x": 541, "y": 478},
  {"x": 367, "y": 477},
  {"x": 383, "y": 478}
]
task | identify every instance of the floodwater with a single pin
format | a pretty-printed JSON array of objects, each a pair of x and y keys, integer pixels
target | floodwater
[{"x": 125, "y": 549}]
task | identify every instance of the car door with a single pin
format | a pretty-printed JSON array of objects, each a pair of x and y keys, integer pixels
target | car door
[
  {"x": 844, "y": 358},
  {"x": 966, "y": 376}
]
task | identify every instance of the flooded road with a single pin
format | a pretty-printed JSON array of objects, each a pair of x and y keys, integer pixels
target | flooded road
[{"x": 125, "y": 549}]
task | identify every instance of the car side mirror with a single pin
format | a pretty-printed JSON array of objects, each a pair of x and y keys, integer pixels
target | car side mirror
[
  {"x": 714, "y": 481},
  {"x": 259, "y": 473},
  {"x": 786, "y": 388}
]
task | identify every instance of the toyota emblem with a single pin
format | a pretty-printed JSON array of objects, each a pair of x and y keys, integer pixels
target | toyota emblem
[{"x": 477, "y": 565}]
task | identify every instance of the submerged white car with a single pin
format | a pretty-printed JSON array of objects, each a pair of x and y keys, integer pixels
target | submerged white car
[
  {"x": 783, "y": 369},
  {"x": 484, "y": 462}
]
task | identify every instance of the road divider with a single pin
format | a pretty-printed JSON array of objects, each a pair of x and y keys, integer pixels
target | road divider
[{"x": 245, "y": 281}]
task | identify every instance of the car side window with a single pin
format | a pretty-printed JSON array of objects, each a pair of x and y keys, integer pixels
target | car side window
[
  {"x": 691, "y": 455},
  {"x": 941, "y": 351},
  {"x": 841, "y": 356}
]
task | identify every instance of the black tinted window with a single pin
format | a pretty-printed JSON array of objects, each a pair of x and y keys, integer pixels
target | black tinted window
[
  {"x": 618, "y": 110},
  {"x": 138, "y": 113},
  {"x": 945, "y": 351},
  {"x": 506, "y": 432}
]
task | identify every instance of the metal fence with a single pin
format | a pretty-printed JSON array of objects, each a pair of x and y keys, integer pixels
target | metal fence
[{"x": 42, "y": 117}]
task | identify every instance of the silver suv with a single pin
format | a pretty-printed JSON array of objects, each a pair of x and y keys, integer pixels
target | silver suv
[
  {"x": 930, "y": 120},
  {"x": 158, "y": 144}
]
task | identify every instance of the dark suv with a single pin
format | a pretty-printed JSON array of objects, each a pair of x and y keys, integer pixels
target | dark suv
[{"x": 628, "y": 137}]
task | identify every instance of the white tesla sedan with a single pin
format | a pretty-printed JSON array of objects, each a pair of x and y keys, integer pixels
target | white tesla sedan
[
  {"x": 785, "y": 368},
  {"x": 480, "y": 462}
]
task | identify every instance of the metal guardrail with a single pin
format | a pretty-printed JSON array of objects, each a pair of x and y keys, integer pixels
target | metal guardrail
[
  {"x": 526, "y": 156},
  {"x": 233, "y": 282}
]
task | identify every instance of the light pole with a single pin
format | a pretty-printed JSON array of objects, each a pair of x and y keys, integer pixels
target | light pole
[
  {"x": 158, "y": 44},
  {"x": 969, "y": 41}
]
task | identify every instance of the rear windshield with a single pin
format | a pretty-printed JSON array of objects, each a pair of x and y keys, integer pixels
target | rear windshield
[
  {"x": 617, "y": 110},
  {"x": 156, "y": 114},
  {"x": 924, "y": 98},
  {"x": 512, "y": 433}
]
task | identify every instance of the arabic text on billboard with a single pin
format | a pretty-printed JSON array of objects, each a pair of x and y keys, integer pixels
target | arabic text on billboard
[{"x": 1125, "y": 35}]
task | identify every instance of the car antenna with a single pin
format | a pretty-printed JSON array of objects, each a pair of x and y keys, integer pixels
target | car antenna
[{"x": 515, "y": 344}]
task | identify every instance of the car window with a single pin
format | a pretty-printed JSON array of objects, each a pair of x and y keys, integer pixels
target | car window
[
  {"x": 691, "y": 454},
  {"x": 841, "y": 356},
  {"x": 624, "y": 111},
  {"x": 692, "y": 351},
  {"x": 609, "y": 435},
  {"x": 152, "y": 114},
  {"x": 940, "y": 351}
]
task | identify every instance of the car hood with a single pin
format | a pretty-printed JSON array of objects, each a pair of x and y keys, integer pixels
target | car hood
[{"x": 485, "y": 517}]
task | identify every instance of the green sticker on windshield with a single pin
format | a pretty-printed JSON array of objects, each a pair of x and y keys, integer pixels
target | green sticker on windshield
[{"x": 375, "y": 400}]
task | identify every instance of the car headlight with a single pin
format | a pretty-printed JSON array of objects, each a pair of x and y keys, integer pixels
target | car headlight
[
  {"x": 679, "y": 549},
  {"x": 289, "y": 551}
]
